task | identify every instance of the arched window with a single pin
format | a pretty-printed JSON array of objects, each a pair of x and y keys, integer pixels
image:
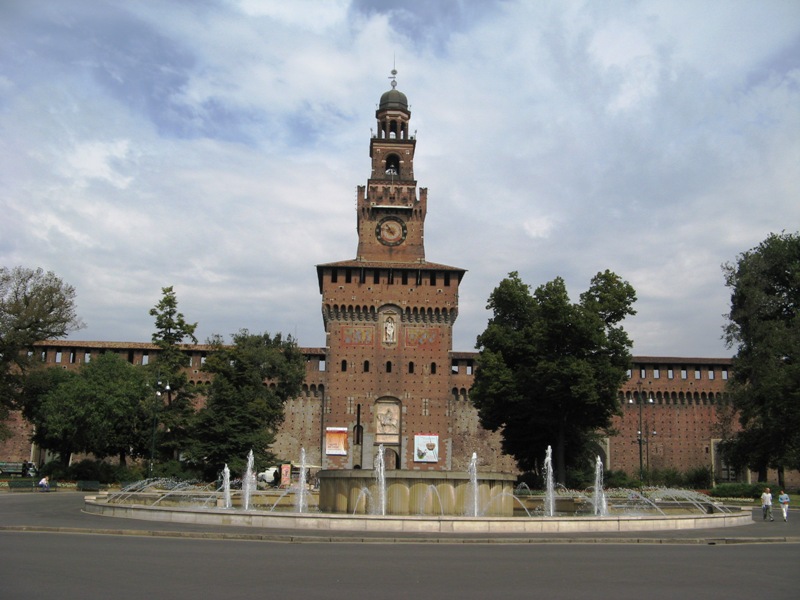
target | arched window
[
  {"x": 366, "y": 366},
  {"x": 410, "y": 368},
  {"x": 393, "y": 165},
  {"x": 344, "y": 366},
  {"x": 388, "y": 366},
  {"x": 433, "y": 368}
]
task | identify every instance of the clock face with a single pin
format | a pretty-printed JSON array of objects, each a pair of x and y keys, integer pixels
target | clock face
[{"x": 391, "y": 231}]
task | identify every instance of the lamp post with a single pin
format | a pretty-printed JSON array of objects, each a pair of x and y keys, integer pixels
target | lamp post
[
  {"x": 640, "y": 435},
  {"x": 156, "y": 407}
]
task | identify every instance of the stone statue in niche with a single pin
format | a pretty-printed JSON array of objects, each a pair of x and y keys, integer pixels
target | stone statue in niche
[{"x": 389, "y": 331}]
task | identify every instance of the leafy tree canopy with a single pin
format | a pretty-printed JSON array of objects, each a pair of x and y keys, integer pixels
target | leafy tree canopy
[
  {"x": 101, "y": 409},
  {"x": 34, "y": 306},
  {"x": 549, "y": 370},
  {"x": 764, "y": 326},
  {"x": 253, "y": 378}
]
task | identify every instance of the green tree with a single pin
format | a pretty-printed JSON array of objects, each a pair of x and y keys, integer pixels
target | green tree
[
  {"x": 34, "y": 306},
  {"x": 102, "y": 409},
  {"x": 764, "y": 326},
  {"x": 175, "y": 411},
  {"x": 35, "y": 388},
  {"x": 549, "y": 370},
  {"x": 253, "y": 378}
]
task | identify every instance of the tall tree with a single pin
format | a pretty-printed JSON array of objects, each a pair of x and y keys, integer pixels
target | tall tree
[
  {"x": 549, "y": 370},
  {"x": 101, "y": 410},
  {"x": 253, "y": 378},
  {"x": 168, "y": 371},
  {"x": 764, "y": 326},
  {"x": 34, "y": 306}
]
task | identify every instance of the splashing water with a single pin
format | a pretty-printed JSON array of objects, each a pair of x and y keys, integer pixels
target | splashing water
[
  {"x": 550, "y": 495},
  {"x": 599, "y": 502},
  {"x": 248, "y": 482},
  {"x": 301, "y": 497},
  {"x": 226, "y": 487},
  {"x": 472, "y": 504},
  {"x": 380, "y": 479}
]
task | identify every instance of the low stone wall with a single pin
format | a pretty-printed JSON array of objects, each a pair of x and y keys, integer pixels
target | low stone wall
[{"x": 411, "y": 524}]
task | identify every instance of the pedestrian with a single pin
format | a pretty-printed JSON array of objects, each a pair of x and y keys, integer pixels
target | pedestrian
[
  {"x": 44, "y": 484},
  {"x": 784, "y": 500},
  {"x": 766, "y": 504}
]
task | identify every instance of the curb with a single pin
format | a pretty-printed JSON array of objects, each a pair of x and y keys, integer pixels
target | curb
[{"x": 317, "y": 539}]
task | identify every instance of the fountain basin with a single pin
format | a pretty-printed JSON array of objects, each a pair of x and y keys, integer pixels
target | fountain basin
[
  {"x": 331, "y": 523},
  {"x": 354, "y": 491}
]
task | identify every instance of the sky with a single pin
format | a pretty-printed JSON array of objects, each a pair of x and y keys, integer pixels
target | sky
[{"x": 215, "y": 146}]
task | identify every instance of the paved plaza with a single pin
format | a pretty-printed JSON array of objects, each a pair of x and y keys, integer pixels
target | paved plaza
[{"x": 48, "y": 547}]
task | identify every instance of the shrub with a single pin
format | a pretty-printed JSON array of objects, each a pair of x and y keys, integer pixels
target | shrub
[
  {"x": 175, "y": 469},
  {"x": 699, "y": 478},
  {"x": 92, "y": 470},
  {"x": 738, "y": 490},
  {"x": 620, "y": 479}
]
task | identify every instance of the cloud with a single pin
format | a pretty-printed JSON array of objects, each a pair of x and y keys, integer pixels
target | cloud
[{"x": 216, "y": 147}]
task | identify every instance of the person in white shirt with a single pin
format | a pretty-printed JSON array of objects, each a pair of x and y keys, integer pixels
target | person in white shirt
[
  {"x": 784, "y": 500},
  {"x": 766, "y": 504}
]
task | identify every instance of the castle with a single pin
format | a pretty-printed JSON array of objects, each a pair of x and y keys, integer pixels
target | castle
[{"x": 388, "y": 374}]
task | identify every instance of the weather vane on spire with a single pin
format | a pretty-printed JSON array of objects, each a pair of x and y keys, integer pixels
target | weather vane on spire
[{"x": 393, "y": 76}]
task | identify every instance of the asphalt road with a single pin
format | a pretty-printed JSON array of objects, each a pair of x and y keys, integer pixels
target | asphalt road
[{"x": 49, "y": 548}]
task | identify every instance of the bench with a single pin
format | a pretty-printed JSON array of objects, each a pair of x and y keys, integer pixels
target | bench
[
  {"x": 87, "y": 486},
  {"x": 28, "y": 485}
]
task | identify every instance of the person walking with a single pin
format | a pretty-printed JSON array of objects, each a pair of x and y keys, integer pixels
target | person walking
[
  {"x": 766, "y": 504},
  {"x": 784, "y": 500}
]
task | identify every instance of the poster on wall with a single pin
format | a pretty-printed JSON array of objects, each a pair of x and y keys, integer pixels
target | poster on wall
[
  {"x": 286, "y": 475},
  {"x": 336, "y": 441},
  {"x": 426, "y": 448}
]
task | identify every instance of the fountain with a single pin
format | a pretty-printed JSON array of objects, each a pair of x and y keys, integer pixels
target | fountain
[
  {"x": 599, "y": 502},
  {"x": 450, "y": 502},
  {"x": 472, "y": 506},
  {"x": 380, "y": 480},
  {"x": 248, "y": 482},
  {"x": 226, "y": 487},
  {"x": 301, "y": 495},
  {"x": 407, "y": 492},
  {"x": 550, "y": 495}
]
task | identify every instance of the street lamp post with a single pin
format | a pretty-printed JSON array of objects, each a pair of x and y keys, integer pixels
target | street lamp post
[
  {"x": 640, "y": 435},
  {"x": 156, "y": 408}
]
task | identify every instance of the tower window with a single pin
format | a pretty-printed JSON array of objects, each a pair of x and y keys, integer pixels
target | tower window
[
  {"x": 376, "y": 276},
  {"x": 388, "y": 366},
  {"x": 366, "y": 366},
  {"x": 433, "y": 277},
  {"x": 344, "y": 366},
  {"x": 393, "y": 165},
  {"x": 410, "y": 368},
  {"x": 433, "y": 368},
  {"x": 334, "y": 275}
]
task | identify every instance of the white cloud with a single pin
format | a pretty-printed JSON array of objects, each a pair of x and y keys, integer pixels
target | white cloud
[{"x": 216, "y": 147}]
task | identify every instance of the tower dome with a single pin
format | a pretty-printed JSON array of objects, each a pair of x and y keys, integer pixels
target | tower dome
[{"x": 394, "y": 98}]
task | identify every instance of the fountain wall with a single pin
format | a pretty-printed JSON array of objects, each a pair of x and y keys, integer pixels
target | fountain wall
[{"x": 355, "y": 491}]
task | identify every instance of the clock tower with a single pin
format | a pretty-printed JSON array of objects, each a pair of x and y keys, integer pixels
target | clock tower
[{"x": 388, "y": 316}]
